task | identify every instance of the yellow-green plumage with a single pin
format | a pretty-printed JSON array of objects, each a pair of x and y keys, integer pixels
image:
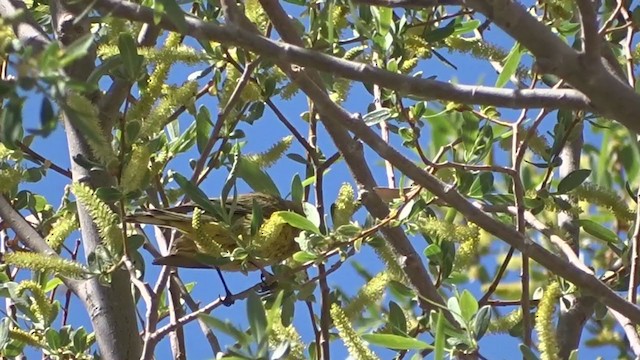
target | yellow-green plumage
[{"x": 273, "y": 243}]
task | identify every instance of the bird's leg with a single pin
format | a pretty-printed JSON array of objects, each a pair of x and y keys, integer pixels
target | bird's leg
[
  {"x": 267, "y": 279},
  {"x": 228, "y": 299}
]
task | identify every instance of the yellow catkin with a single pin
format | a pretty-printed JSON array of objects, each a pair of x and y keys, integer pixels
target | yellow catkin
[
  {"x": 181, "y": 53},
  {"x": 203, "y": 239},
  {"x": 9, "y": 179},
  {"x": 275, "y": 239},
  {"x": 370, "y": 294},
  {"x": 605, "y": 198},
  {"x": 468, "y": 249},
  {"x": 172, "y": 98},
  {"x": 341, "y": 88},
  {"x": 250, "y": 92},
  {"x": 39, "y": 262},
  {"x": 280, "y": 334},
  {"x": 447, "y": 231},
  {"x": 355, "y": 345},
  {"x": 8, "y": 154},
  {"x": 544, "y": 322},
  {"x": 30, "y": 339},
  {"x": 505, "y": 323},
  {"x": 345, "y": 206},
  {"x": 106, "y": 220},
  {"x": 41, "y": 306},
  {"x": 391, "y": 260},
  {"x": 256, "y": 14},
  {"x": 61, "y": 229},
  {"x": 267, "y": 158},
  {"x": 136, "y": 169},
  {"x": 152, "y": 91},
  {"x": 87, "y": 114}
]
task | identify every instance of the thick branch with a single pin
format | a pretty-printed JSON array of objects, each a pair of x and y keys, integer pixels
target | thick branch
[
  {"x": 587, "y": 282},
  {"x": 111, "y": 308},
  {"x": 28, "y": 235},
  {"x": 590, "y": 36},
  {"x": 609, "y": 95},
  {"x": 428, "y": 89}
]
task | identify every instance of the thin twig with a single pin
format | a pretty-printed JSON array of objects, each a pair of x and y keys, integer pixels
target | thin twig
[
  {"x": 42, "y": 160},
  {"x": 222, "y": 116},
  {"x": 634, "y": 258}
]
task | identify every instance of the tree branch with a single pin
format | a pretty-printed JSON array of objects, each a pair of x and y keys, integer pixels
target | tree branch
[
  {"x": 590, "y": 36},
  {"x": 29, "y": 236},
  {"x": 338, "y": 117},
  {"x": 428, "y": 89}
]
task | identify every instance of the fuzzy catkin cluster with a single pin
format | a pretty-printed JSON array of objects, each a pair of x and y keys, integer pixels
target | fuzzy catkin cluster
[
  {"x": 355, "y": 345},
  {"x": 39, "y": 262},
  {"x": 544, "y": 322},
  {"x": 106, "y": 220},
  {"x": 345, "y": 206},
  {"x": 61, "y": 229},
  {"x": 371, "y": 293},
  {"x": 41, "y": 307},
  {"x": 205, "y": 241}
]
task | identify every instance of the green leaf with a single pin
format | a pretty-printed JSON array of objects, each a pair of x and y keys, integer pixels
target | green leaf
[
  {"x": 11, "y": 124},
  {"x": 510, "y": 65},
  {"x": 468, "y": 305},
  {"x": 596, "y": 230},
  {"x": 104, "y": 68},
  {"x": 76, "y": 50},
  {"x": 135, "y": 241},
  {"x": 311, "y": 212},
  {"x": 257, "y": 179},
  {"x": 132, "y": 130},
  {"x": 527, "y": 353},
  {"x": 53, "y": 339},
  {"x": 203, "y": 128},
  {"x": 481, "y": 321},
  {"x": 52, "y": 284},
  {"x": 453, "y": 304},
  {"x": 197, "y": 196},
  {"x": 481, "y": 185},
  {"x": 257, "y": 317},
  {"x": 5, "y": 323},
  {"x": 297, "y": 190},
  {"x": 383, "y": 17},
  {"x": 303, "y": 257},
  {"x": 256, "y": 217},
  {"x": 131, "y": 60},
  {"x": 396, "y": 342},
  {"x": 439, "y": 342},
  {"x": 573, "y": 180},
  {"x": 109, "y": 194},
  {"x": 376, "y": 116},
  {"x": 397, "y": 320},
  {"x": 441, "y": 33},
  {"x": 226, "y": 327},
  {"x": 48, "y": 118},
  {"x": 173, "y": 12},
  {"x": 466, "y": 27},
  {"x": 573, "y": 355},
  {"x": 79, "y": 340},
  {"x": 298, "y": 221}
]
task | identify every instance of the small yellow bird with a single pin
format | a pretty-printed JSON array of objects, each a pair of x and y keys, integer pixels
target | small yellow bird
[{"x": 264, "y": 250}]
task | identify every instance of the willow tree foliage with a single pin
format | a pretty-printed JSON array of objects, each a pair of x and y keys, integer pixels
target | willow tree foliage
[{"x": 467, "y": 170}]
